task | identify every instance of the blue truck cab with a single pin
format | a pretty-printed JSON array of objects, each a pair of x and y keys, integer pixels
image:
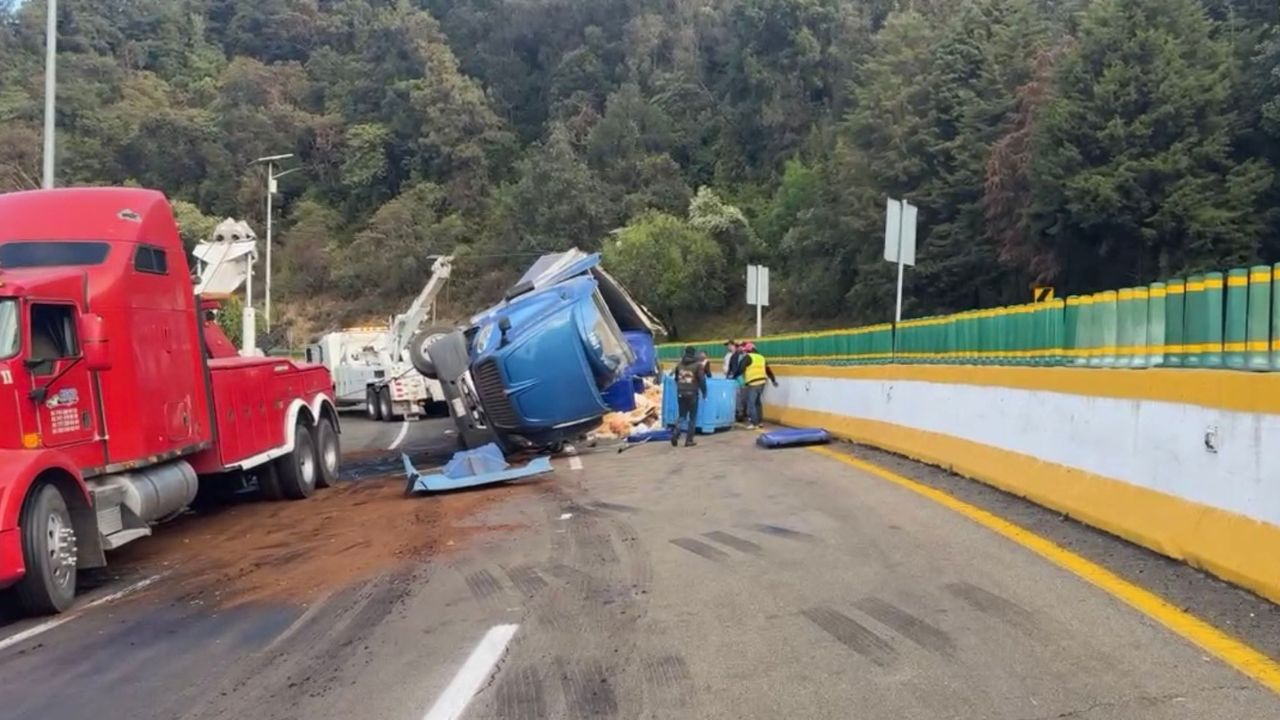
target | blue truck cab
[{"x": 541, "y": 360}]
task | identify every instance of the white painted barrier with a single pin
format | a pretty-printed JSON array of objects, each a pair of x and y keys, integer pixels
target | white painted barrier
[{"x": 1175, "y": 460}]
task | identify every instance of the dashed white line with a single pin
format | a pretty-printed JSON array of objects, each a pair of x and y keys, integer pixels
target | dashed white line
[
  {"x": 471, "y": 676},
  {"x": 51, "y": 624},
  {"x": 404, "y": 430},
  {"x": 575, "y": 463}
]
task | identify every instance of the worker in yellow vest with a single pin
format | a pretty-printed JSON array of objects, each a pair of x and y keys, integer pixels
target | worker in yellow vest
[{"x": 755, "y": 372}]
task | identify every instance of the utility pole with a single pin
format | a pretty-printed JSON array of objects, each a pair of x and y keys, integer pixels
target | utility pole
[
  {"x": 50, "y": 88},
  {"x": 272, "y": 177}
]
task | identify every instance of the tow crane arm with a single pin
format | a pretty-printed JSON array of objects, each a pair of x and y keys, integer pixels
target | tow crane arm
[{"x": 404, "y": 325}]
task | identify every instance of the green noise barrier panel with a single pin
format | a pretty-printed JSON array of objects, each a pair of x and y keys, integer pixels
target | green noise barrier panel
[{"x": 1225, "y": 320}]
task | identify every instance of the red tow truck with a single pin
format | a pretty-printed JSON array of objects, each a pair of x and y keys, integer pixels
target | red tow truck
[{"x": 120, "y": 398}]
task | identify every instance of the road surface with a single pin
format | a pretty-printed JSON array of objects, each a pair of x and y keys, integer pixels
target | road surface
[{"x": 721, "y": 581}]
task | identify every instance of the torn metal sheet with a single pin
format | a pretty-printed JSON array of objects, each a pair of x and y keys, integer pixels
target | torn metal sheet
[{"x": 472, "y": 468}]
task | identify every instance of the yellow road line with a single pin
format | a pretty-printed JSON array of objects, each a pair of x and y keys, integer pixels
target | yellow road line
[{"x": 1230, "y": 650}]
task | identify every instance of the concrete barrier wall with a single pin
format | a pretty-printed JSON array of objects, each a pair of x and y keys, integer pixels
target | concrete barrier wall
[{"x": 1185, "y": 462}]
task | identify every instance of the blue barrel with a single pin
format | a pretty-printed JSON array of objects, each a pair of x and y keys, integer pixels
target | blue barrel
[
  {"x": 715, "y": 411},
  {"x": 620, "y": 396}
]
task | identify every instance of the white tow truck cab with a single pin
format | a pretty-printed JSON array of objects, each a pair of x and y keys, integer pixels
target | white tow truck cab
[{"x": 370, "y": 365}]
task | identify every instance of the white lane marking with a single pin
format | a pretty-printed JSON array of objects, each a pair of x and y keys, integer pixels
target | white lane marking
[
  {"x": 565, "y": 516},
  {"x": 472, "y": 674},
  {"x": 575, "y": 463},
  {"x": 51, "y": 624},
  {"x": 404, "y": 429}
]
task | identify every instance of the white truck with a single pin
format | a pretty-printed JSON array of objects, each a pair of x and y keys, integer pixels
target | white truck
[{"x": 370, "y": 365}]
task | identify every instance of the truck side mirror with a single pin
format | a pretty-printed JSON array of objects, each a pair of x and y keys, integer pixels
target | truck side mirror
[
  {"x": 504, "y": 325},
  {"x": 93, "y": 342}
]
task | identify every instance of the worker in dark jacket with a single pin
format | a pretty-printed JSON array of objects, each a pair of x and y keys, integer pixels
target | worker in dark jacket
[
  {"x": 755, "y": 372},
  {"x": 691, "y": 382}
]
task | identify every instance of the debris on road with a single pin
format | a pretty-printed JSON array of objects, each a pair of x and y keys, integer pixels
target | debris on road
[
  {"x": 645, "y": 417},
  {"x": 252, "y": 551},
  {"x": 793, "y": 437},
  {"x": 485, "y": 465}
]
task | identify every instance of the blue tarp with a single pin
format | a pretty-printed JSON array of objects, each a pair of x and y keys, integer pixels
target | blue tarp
[{"x": 793, "y": 437}]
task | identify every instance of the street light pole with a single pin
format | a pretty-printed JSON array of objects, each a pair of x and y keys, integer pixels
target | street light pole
[
  {"x": 50, "y": 88},
  {"x": 272, "y": 177},
  {"x": 271, "y": 190}
]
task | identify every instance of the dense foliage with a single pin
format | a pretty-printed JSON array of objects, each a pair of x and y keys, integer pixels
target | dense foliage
[{"x": 1082, "y": 143}]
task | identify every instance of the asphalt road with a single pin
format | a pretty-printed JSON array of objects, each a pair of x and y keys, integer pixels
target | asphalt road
[{"x": 720, "y": 581}]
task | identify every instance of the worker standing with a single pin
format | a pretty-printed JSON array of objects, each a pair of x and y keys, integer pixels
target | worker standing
[
  {"x": 733, "y": 371},
  {"x": 706, "y": 364},
  {"x": 755, "y": 372},
  {"x": 731, "y": 353},
  {"x": 691, "y": 382}
]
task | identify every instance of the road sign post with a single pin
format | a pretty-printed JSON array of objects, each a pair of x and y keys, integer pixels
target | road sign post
[
  {"x": 758, "y": 293},
  {"x": 900, "y": 241}
]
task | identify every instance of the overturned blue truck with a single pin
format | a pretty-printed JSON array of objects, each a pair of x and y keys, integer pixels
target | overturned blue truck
[{"x": 535, "y": 371}]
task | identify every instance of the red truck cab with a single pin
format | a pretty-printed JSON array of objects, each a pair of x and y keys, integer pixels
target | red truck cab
[{"x": 120, "y": 396}]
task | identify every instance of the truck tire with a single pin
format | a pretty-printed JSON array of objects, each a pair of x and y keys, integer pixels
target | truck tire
[
  {"x": 299, "y": 470},
  {"x": 371, "y": 402},
  {"x": 386, "y": 411},
  {"x": 420, "y": 348},
  {"x": 268, "y": 481},
  {"x": 49, "y": 552},
  {"x": 328, "y": 453}
]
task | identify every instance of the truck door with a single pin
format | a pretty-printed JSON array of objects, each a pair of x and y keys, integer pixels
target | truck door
[{"x": 61, "y": 386}]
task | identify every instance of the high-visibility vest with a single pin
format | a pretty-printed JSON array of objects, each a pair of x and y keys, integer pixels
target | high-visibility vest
[{"x": 755, "y": 374}]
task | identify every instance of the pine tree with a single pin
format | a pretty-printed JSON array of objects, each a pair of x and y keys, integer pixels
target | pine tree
[{"x": 1132, "y": 170}]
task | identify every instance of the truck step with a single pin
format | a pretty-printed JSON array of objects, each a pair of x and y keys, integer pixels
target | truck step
[{"x": 116, "y": 539}]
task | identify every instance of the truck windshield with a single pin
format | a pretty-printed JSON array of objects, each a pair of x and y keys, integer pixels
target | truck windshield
[
  {"x": 614, "y": 350},
  {"x": 8, "y": 329},
  {"x": 51, "y": 253}
]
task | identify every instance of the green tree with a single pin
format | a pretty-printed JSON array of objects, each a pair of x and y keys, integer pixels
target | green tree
[
  {"x": 557, "y": 202},
  {"x": 1132, "y": 166},
  {"x": 307, "y": 251},
  {"x": 193, "y": 225},
  {"x": 670, "y": 266},
  {"x": 391, "y": 256}
]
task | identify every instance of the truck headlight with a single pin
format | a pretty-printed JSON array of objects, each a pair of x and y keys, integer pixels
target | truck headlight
[{"x": 484, "y": 339}]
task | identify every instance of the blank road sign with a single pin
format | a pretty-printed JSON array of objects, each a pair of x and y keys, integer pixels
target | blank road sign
[
  {"x": 757, "y": 282},
  {"x": 900, "y": 219}
]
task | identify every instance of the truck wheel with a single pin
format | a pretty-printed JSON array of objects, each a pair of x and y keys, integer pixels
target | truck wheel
[
  {"x": 371, "y": 404},
  {"x": 386, "y": 411},
  {"x": 299, "y": 470},
  {"x": 420, "y": 348},
  {"x": 49, "y": 552},
  {"x": 328, "y": 453}
]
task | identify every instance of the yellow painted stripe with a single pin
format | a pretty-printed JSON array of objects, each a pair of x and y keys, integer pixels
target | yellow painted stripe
[
  {"x": 1125, "y": 295},
  {"x": 1213, "y": 283},
  {"x": 1237, "y": 281},
  {"x": 1225, "y": 389},
  {"x": 1247, "y": 660},
  {"x": 1257, "y": 346},
  {"x": 1157, "y": 293},
  {"x": 1175, "y": 288},
  {"x": 1233, "y": 347},
  {"x": 1260, "y": 276}
]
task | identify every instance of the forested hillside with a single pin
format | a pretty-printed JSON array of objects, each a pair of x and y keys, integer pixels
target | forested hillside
[{"x": 1082, "y": 143}]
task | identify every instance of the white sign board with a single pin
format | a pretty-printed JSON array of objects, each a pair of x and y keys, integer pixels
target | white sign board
[
  {"x": 900, "y": 231},
  {"x": 757, "y": 285}
]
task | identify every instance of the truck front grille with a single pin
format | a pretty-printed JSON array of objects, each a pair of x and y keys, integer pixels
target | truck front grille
[{"x": 493, "y": 394}]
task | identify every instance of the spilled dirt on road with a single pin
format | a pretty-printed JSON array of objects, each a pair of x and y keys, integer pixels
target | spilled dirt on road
[{"x": 255, "y": 550}]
